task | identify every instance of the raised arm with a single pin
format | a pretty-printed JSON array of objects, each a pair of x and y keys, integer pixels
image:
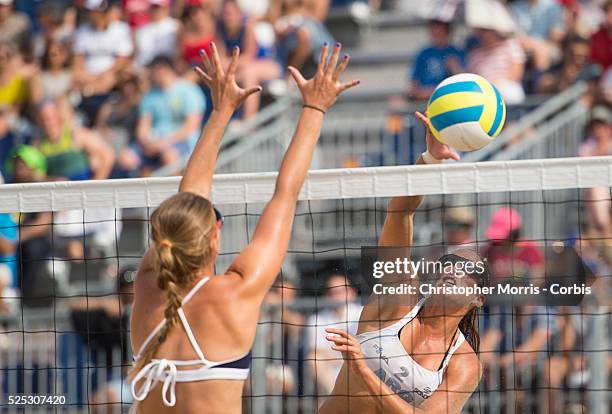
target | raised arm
[
  {"x": 398, "y": 227},
  {"x": 261, "y": 260},
  {"x": 227, "y": 96}
]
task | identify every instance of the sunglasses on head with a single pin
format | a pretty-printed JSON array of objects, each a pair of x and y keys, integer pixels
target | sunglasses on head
[
  {"x": 218, "y": 217},
  {"x": 457, "y": 225},
  {"x": 481, "y": 276}
]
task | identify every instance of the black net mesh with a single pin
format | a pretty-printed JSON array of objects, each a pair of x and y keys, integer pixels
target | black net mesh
[{"x": 66, "y": 293}]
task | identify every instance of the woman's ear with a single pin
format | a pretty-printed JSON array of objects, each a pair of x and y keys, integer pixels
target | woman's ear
[
  {"x": 479, "y": 301},
  {"x": 215, "y": 242}
]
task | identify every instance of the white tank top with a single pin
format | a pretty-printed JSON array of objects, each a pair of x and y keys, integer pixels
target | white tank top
[
  {"x": 388, "y": 358},
  {"x": 165, "y": 371}
]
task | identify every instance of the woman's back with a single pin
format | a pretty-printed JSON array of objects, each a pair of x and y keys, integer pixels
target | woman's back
[{"x": 219, "y": 321}]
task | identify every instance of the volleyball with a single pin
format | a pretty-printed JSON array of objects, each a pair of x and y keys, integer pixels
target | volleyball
[{"x": 466, "y": 112}]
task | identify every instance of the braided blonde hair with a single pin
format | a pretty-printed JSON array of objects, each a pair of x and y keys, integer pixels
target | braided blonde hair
[{"x": 181, "y": 229}]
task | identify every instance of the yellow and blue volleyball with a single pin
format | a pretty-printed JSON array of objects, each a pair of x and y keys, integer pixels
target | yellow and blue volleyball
[{"x": 466, "y": 112}]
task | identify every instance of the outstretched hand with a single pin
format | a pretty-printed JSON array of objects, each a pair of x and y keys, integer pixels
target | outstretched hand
[
  {"x": 349, "y": 347},
  {"x": 436, "y": 148},
  {"x": 322, "y": 91},
  {"x": 225, "y": 92}
]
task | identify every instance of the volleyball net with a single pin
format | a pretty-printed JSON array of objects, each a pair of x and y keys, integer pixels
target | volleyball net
[{"x": 65, "y": 295}]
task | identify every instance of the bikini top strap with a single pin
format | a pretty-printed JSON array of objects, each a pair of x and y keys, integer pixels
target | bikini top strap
[
  {"x": 397, "y": 326},
  {"x": 451, "y": 350},
  {"x": 150, "y": 338},
  {"x": 191, "y": 336},
  {"x": 181, "y": 313},
  {"x": 194, "y": 290}
]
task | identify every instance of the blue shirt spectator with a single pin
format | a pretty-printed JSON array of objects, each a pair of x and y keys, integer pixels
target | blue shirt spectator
[
  {"x": 8, "y": 242},
  {"x": 538, "y": 18},
  {"x": 541, "y": 30},
  {"x": 168, "y": 108},
  {"x": 431, "y": 67},
  {"x": 170, "y": 119},
  {"x": 435, "y": 62}
]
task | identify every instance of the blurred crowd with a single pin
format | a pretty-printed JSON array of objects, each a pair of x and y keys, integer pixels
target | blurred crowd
[
  {"x": 105, "y": 88},
  {"x": 530, "y": 47},
  {"x": 97, "y": 89}
]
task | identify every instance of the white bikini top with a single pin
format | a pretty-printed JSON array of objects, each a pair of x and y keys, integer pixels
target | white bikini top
[
  {"x": 165, "y": 370},
  {"x": 388, "y": 358}
]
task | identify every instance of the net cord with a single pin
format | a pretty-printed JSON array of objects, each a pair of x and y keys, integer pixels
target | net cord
[{"x": 374, "y": 182}]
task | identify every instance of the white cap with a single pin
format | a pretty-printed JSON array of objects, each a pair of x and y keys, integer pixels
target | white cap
[
  {"x": 254, "y": 8},
  {"x": 490, "y": 15},
  {"x": 444, "y": 11},
  {"x": 95, "y": 4},
  {"x": 6, "y": 2}
]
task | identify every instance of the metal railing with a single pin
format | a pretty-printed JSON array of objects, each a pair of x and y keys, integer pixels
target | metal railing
[
  {"x": 360, "y": 131},
  {"x": 556, "y": 124}
]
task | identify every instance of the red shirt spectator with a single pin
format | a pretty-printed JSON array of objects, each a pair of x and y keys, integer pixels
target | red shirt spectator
[
  {"x": 507, "y": 256},
  {"x": 136, "y": 12},
  {"x": 601, "y": 41}
]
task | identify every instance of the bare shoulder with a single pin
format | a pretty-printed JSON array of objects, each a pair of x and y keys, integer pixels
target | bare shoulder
[
  {"x": 383, "y": 310},
  {"x": 222, "y": 288},
  {"x": 144, "y": 276},
  {"x": 465, "y": 367}
]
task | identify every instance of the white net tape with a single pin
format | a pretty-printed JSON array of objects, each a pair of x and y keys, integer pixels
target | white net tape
[{"x": 458, "y": 178}]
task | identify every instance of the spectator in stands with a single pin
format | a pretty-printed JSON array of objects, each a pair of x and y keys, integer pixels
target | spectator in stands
[
  {"x": 14, "y": 81},
  {"x": 582, "y": 17},
  {"x": 7, "y": 138},
  {"x": 435, "y": 62},
  {"x": 103, "y": 324},
  {"x": 76, "y": 153},
  {"x": 118, "y": 119},
  {"x": 599, "y": 138},
  {"x": 541, "y": 26},
  {"x": 8, "y": 296},
  {"x": 235, "y": 29},
  {"x": 8, "y": 250},
  {"x": 102, "y": 48},
  {"x": 566, "y": 367},
  {"x": 601, "y": 41},
  {"x": 8, "y": 263},
  {"x": 14, "y": 26},
  {"x": 514, "y": 339},
  {"x": 574, "y": 67},
  {"x": 72, "y": 152},
  {"x": 55, "y": 80},
  {"x": 170, "y": 117},
  {"x": 508, "y": 255},
  {"x": 458, "y": 226},
  {"x": 159, "y": 36},
  {"x": 343, "y": 312},
  {"x": 56, "y": 24},
  {"x": 301, "y": 33},
  {"x": 598, "y": 143},
  {"x": 281, "y": 375},
  {"x": 137, "y": 12},
  {"x": 497, "y": 55},
  {"x": 36, "y": 282},
  {"x": 198, "y": 31}
]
